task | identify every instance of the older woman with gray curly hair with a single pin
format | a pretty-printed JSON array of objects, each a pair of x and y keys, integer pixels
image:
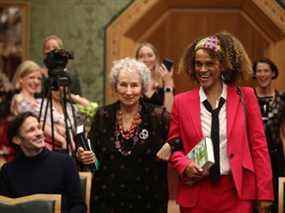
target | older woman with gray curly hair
[{"x": 125, "y": 137}]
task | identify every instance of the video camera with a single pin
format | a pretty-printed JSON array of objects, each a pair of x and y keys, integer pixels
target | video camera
[{"x": 56, "y": 61}]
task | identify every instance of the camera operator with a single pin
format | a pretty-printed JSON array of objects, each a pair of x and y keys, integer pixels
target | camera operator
[
  {"x": 53, "y": 42},
  {"x": 64, "y": 116}
]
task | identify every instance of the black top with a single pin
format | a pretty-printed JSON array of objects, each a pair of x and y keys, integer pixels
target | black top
[
  {"x": 136, "y": 182},
  {"x": 271, "y": 111},
  {"x": 48, "y": 173},
  {"x": 157, "y": 97}
]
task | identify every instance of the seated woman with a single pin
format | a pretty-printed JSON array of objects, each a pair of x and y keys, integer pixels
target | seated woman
[
  {"x": 64, "y": 123},
  {"x": 27, "y": 80},
  {"x": 125, "y": 137}
]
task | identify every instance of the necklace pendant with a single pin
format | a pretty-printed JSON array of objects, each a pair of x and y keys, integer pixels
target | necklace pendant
[{"x": 144, "y": 134}]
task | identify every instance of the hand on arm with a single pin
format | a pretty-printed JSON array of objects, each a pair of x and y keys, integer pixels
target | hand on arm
[
  {"x": 168, "y": 148},
  {"x": 164, "y": 153}
]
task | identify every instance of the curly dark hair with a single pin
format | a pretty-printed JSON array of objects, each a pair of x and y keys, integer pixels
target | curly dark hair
[
  {"x": 271, "y": 64},
  {"x": 233, "y": 58}
]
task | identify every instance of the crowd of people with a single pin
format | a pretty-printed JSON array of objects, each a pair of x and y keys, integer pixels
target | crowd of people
[{"x": 149, "y": 127}]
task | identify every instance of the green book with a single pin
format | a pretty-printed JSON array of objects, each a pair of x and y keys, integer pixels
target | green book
[{"x": 203, "y": 153}]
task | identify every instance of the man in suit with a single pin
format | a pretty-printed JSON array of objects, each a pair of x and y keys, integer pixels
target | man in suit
[{"x": 230, "y": 116}]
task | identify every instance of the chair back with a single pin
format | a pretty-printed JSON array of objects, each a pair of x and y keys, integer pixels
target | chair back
[
  {"x": 42, "y": 203},
  {"x": 85, "y": 181},
  {"x": 281, "y": 194}
]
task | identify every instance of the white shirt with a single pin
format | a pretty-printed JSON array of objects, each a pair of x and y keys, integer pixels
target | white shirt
[{"x": 206, "y": 122}]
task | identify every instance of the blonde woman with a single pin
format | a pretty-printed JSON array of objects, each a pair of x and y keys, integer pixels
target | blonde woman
[
  {"x": 160, "y": 91},
  {"x": 27, "y": 80}
]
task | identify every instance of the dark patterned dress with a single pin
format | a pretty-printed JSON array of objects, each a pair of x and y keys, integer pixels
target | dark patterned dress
[
  {"x": 271, "y": 111},
  {"x": 130, "y": 178}
]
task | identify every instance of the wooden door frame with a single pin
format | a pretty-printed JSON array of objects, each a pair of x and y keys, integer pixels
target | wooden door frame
[{"x": 267, "y": 15}]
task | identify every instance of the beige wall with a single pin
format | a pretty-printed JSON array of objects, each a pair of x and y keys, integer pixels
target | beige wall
[{"x": 81, "y": 24}]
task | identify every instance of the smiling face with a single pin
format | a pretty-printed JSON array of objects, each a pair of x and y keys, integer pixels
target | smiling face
[
  {"x": 207, "y": 69},
  {"x": 147, "y": 55},
  {"x": 31, "y": 83},
  {"x": 129, "y": 88},
  {"x": 264, "y": 75},
  {"x": 31, "y": 136}
]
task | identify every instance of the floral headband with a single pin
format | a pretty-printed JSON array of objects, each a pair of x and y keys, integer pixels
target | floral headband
[{"x": 211, "y": 42}]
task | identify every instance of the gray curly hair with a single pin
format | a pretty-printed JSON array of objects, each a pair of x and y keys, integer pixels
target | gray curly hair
[{"x": 131, "y": 65}]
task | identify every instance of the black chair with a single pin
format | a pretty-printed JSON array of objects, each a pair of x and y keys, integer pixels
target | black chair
[{"x": 38, "y": 203}]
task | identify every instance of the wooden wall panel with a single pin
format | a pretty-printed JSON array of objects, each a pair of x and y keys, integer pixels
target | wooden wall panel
[
  {"x": 181, "y": 27},
  {"x": 172, "y": 25},
  {"x": 277, "y": 53}
]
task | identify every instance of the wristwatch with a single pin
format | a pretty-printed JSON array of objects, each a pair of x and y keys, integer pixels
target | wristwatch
[{"x": 168, "y": 89}]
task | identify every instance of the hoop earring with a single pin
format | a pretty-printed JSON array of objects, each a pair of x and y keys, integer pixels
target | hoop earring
[{"x": 227, "y": 76}]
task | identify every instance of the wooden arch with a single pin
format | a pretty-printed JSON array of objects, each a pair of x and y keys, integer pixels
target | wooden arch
[{"x": 171, "y": 25}]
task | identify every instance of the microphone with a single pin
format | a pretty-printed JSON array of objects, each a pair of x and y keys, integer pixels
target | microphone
[{"x": 85, "y": 144}]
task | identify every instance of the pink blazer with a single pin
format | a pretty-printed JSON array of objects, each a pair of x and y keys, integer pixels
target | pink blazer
[{"x": 247, "y": 148}]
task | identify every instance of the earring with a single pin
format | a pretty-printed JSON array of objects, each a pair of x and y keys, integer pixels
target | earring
[{"x": 226, "y": 76}]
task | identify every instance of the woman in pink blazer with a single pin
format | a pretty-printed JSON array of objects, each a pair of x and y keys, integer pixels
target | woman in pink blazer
[{"x": 230, "y": 116}]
